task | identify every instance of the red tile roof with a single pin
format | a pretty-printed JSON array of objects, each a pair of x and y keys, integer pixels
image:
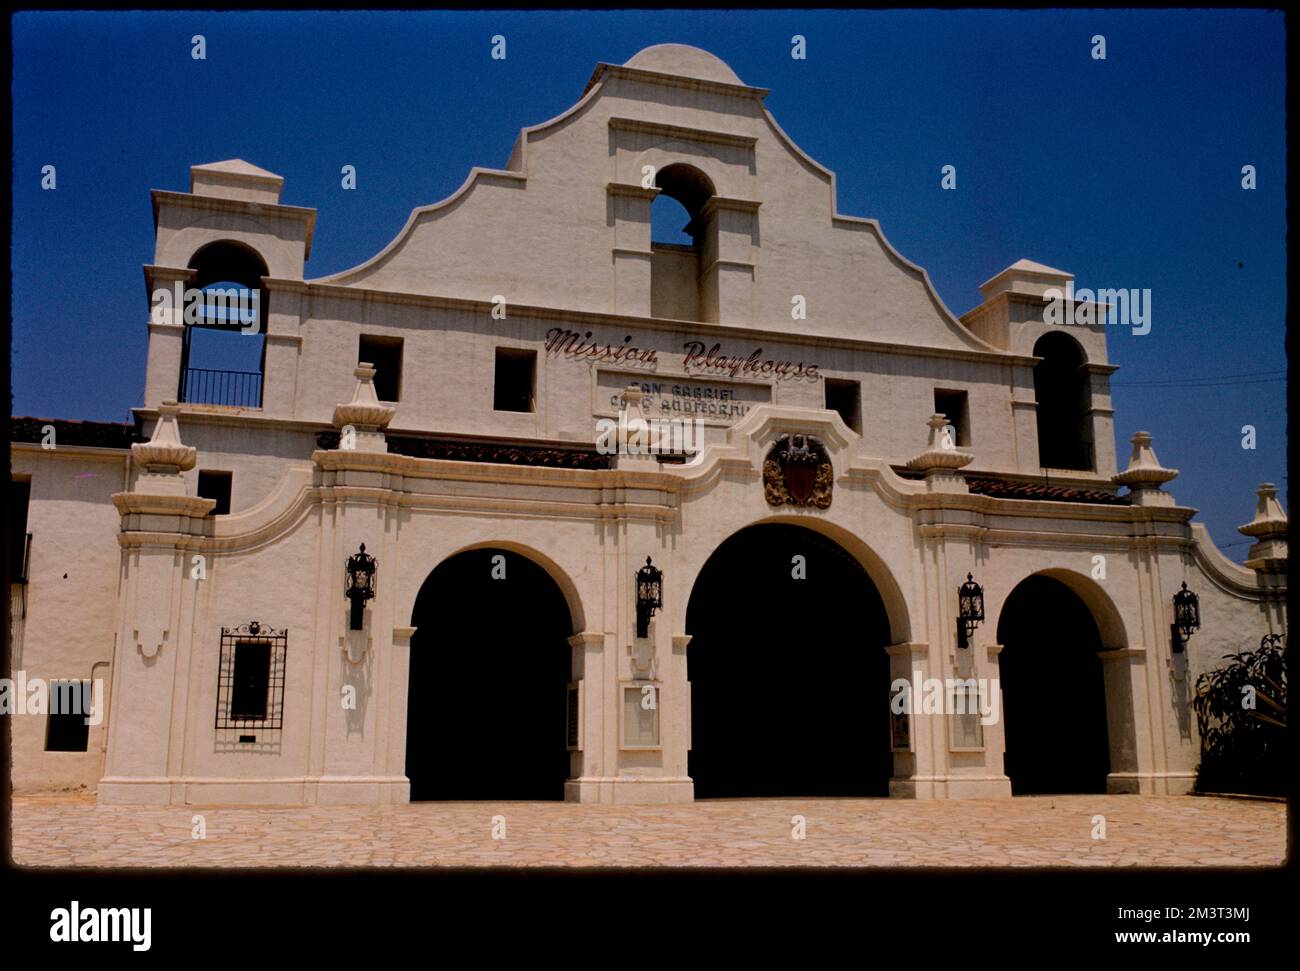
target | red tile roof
[{"x": 94, "y": 434}]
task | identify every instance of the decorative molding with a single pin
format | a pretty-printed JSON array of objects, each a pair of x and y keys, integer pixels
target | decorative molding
[
  {"x": 640, "y": 126},
  {"x": 1123, "y": 653},
  {"x": 588, "y": 640},
  {"x": 1224, "y": 573},
  {"x": 714, "y": 203},
  {"x": 471, "y": 450},
  {"x": 604, "y": 71},
  {"x": 324, "y": 288},
  {"x": 274, "y": 210},
  {"x": 916, "y": 649},
  {"x": 632, "y": 191}
]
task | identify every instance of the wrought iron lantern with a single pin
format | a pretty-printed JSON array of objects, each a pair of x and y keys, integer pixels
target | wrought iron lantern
[
  {"x": 360, "y": 583},
  {"x": 1187, "y": 615},
  {"x": 970, "y": 610},
  {"x": 649, "y": 596}
]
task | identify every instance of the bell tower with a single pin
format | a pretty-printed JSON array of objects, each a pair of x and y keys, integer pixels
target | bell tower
[{"x": 230, "y": 238}]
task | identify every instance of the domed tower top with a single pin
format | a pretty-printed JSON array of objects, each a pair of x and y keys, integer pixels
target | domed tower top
[{"x": 684, "y": 61}]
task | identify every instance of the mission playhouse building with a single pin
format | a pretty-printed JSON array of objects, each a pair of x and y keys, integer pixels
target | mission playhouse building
[{"x": 397, "y": 560}]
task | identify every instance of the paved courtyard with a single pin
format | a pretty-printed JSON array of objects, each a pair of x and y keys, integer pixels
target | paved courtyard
[{"x": 71, "y": 831}]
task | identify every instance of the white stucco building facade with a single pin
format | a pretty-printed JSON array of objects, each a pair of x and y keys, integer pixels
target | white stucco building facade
[{"x": 503, "y": 324}]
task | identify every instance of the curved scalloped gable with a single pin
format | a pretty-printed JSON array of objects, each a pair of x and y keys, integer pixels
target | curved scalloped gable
[{"x": 549, "y": 229}]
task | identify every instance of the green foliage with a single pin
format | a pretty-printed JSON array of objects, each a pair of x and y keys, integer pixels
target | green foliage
[{"x": 1241, "y": 712}]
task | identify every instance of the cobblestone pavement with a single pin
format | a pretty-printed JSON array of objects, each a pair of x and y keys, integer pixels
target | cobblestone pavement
[{"x": 71, "y": 831}]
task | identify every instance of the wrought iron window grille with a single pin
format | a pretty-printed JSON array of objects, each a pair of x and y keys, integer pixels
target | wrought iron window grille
[{"x": 250, "y": 679}]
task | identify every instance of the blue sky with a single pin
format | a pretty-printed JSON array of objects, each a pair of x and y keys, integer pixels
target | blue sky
[{"x": 1126, "y": 172}]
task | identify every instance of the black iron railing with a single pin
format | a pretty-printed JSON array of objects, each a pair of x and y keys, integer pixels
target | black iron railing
[{"x": 207, "y": 387}]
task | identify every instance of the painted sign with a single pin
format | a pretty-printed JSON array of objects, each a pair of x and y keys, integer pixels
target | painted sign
[{"x": 681, "y": 397}]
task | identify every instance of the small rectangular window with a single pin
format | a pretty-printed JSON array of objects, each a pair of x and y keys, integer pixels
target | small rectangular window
[
  {"x": 516, "y": 373},
  {"x": 953, "y": 406},
  {"x": 846, "y": 398},
  {"x": 68, "y": 725},
  {"x": 384, "y": 354},
  {"x": 20, "y": 496},
  {"x": 216, "y": 485}
]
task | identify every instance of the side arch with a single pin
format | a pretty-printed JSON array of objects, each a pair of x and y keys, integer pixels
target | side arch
[
  {"x": 1109, "y": 621},
  {"x": 490, "y": 665},
  {"x": 1067, "y": 677}
]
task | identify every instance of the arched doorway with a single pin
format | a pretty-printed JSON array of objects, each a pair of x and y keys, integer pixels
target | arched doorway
[
  {"x": 1053, "y": 692},
  {"x": 789, "y": 677},
  {"x": 490, "y": 660}
]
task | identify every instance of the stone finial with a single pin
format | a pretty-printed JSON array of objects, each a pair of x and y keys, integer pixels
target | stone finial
[
  {"x": 1145, "y": 475},
  {"x": 367, "y": 416},
  {"x": 941, "y": 459},
  {"x": 941, "y": 452},
  {"x": 1268, "y": 529},
  {"x": 159, "y": 489},
  {"x": 165, "y": 453},
  {"x": 1270, "y": 518}
]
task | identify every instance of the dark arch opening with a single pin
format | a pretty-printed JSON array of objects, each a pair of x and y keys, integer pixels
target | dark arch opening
[
  {"x": 789, "y": 678},
  {"x": 227, "y": 260},
  {"x": 679, "y": 237},
  {"x": 1061, "y": 389},
  {"x": 490, "y": 661},
  {"x": 1053, "y": 691},
  {"x": 688, "y": 186},
  {"x": 223, "y": 351}
]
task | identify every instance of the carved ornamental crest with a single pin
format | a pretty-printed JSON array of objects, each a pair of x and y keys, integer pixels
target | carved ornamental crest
[{"x": 798, "y": 472}]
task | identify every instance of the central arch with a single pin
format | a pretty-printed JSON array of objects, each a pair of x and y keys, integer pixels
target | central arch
[
  {"x": 490, "y": 660},
  {"x": 789, "y": 677}
]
